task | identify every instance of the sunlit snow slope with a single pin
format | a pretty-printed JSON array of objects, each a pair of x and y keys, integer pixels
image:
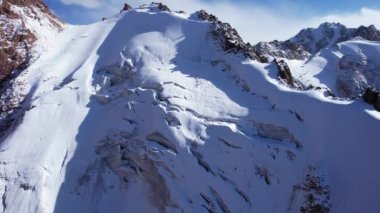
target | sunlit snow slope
[{"x": 144, "y": 112}]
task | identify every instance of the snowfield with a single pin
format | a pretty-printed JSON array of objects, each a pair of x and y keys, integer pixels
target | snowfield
[{"x": 143, "y": 112}]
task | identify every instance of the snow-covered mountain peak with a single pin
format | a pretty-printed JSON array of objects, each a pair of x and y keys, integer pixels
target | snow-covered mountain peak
[
  {"x": 329, "y": 34},
  {"x": 326, "y": 35},
  {"x": 310, "y": 41},
  {"x": 348, "y": 57},
  {"x": 157, "y": 111},
  {"x": 306, "y": 43},
  {"x": 154, "y": 7}
]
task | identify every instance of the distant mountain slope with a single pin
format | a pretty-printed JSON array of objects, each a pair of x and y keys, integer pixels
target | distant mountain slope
[
  {"x": 159, "y": 111},
  {"x": 340, "y": 61},
  {"x": 312, "y": 40}
]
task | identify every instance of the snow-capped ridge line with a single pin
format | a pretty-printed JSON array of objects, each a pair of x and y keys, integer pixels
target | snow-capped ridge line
[
  {"x": 310, "y": 41},
  {"x": 223, "y": 33},
  {"x": 156, "y": 111}
]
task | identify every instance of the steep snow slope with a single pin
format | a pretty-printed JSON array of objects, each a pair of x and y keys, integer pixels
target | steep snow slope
[{"x": 152, "y": 116}]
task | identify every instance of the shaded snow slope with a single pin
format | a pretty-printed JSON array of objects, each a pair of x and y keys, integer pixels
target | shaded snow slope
[{"x": 152, "y": 116}]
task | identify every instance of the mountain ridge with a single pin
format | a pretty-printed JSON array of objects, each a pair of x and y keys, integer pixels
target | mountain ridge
[
  {"x": 310, "y": 41},
  {"x": 25, "y": 28},
  {"x": 18, "y": 32},
  {"x": 179, "y": 114}
]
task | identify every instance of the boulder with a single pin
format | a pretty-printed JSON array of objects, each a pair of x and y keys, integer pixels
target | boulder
[
  {"x": 126, "y": 7},
  {"x": 163, "y": 7},
  {"x": 371, "y": 96},
  {"x": 284, "y": 71}
]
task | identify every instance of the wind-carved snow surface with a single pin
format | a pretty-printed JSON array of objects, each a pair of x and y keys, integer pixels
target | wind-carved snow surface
[{"x": 154, "y": 117}]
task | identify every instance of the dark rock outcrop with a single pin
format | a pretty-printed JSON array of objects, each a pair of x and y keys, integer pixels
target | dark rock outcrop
[
  {"x": 284, "y": 71},
  {"x": 372, "y": 97},
  {"x": 281, "y": 49},
  {"x": 203, "y": 15},
  {"x": 228, "y": 38},
  {"x": 126, "y": 7},
  {"x": 285, "y": 74},
  {"x": 161, "y": 6},
  {"x": 16, "y": 38},
  {"x": 370, "y": 33}
]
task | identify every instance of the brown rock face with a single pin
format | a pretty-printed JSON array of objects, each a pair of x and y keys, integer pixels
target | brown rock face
[
  {"x": 16, "y": 39},
  {"x": 284, "y": 71},
  {"x": 286, "y": 75},
  {"x": 14, "y": 52}
]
